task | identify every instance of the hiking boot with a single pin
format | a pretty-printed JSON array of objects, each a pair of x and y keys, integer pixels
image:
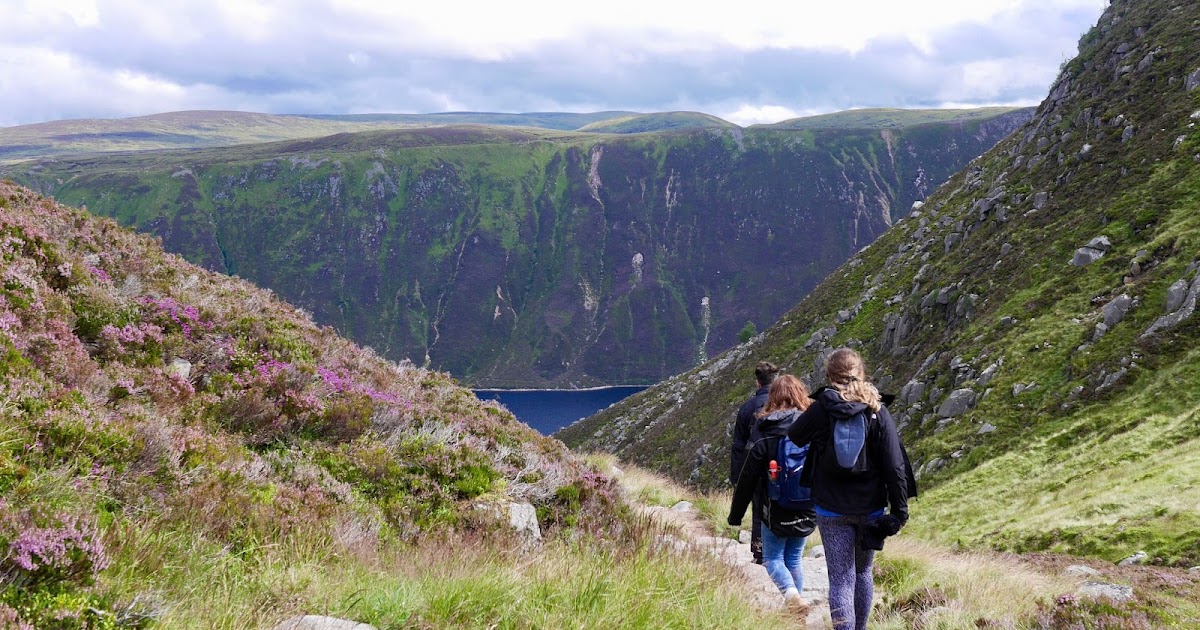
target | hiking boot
[{"x": 795, "y": 602}]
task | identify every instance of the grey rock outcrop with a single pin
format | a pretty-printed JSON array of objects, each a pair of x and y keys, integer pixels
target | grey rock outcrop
[
  {"x": 1079, "y": 570},
  {"x": 1138, "y": 558},
  {"x": 1116, "y": 310},
  {"x": 957, "y": 403},
  {"x": 319, "y": 622},
  {"x": 1091, "y": 252},
  {"x": 1183, "y": 310},
  {"x": 1099, "y": 590},
  {"x": 1193, "y": 80},
  {"x": 912, "y": 392},
  {"x": 523, "y": 518}
]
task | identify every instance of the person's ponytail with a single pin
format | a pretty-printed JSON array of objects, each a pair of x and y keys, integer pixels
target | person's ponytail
[{"x": 846, "y": 372}]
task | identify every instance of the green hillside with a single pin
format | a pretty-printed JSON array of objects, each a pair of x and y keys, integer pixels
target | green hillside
[
  {"x": 193, "y": 129},
  {"x": 562, "y": 121},
  {"x": 1049, "y": 402},
  {"x": 881, "y": 118},
  {"x": 526, "y": 257},
  {"x": 164, "y": 430},
  {"x": 662, "y": 121}
]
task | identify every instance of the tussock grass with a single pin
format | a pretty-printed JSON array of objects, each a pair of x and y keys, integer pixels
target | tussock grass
[{"x": 469, "y": 582}]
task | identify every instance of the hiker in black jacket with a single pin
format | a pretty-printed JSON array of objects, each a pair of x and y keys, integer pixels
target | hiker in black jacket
[
  {"x": 784, "y": 531},
  {"x": 850, "y": 499},
  {"x": 764, "y": 373}
]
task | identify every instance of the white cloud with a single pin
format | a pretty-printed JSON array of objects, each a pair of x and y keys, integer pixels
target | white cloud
[{"x": 767, "y": 59}]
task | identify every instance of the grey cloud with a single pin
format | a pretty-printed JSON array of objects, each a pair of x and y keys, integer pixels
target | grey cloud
[{"x": 313, "y": 61}]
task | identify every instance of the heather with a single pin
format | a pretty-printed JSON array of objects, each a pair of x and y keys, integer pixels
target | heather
[{"x": 162, "y": 426}]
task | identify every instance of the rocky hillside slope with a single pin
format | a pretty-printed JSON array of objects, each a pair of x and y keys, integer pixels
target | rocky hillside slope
[
  {"x": 1035, "y": 317},
  {"x": 515, "y": 257},
  {"x": 187, "y": 414}
]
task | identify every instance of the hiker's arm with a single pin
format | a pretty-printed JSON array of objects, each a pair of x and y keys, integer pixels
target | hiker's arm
[
  {"x": 895, "y": 473},
  {"x": 805, "y": 427},
  {"x": 737, "y": 452},
  {"x": 748, "y": 479}
]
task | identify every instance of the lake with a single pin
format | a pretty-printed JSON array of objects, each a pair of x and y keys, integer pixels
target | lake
[{"x": 549, "y": 410}]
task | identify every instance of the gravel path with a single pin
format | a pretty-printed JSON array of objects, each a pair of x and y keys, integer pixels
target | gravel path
[{"x": 695, "y": 533}]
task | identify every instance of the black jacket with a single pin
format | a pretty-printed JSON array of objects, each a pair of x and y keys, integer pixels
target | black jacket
[
  {"x": 763, "y": 444},
  {"x": 888, "y": 482},
  {"x": 741, "y": 432}
]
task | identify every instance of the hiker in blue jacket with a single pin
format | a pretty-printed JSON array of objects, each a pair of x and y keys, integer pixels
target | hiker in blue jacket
[
  {"x": 858, "y": 467},
  {"x": 747, "y": 417},
  {"x": 784, "y": 531}
]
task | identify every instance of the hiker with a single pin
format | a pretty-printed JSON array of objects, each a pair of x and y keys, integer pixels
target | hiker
[
  {"x": 764, "y": 373},
  {"x": 787, "y": 520},
  {"x": 857, "y": 467}
]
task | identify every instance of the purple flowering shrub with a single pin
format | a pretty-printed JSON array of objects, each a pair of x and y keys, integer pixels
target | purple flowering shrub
[{"x": 140, "y": 391}]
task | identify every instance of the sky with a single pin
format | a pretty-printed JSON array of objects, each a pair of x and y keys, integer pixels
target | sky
[{"x": 750, "y": 61}]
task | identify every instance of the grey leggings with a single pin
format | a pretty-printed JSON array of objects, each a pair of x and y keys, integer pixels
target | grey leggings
[{"x": 851, "y": 584}]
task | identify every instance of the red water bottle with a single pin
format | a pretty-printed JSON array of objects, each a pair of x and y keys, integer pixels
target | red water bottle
[{"x": 773, "y": 468}]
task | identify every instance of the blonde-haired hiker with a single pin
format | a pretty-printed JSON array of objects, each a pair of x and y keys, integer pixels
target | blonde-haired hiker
[
  {"x": 858, "y": 468},
  {"x": 787, "y": 513}
]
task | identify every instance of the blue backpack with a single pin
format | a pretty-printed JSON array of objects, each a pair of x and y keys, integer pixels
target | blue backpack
[
  {"x": 784, "y": 486},
  {"x": 849, "y": 439}
]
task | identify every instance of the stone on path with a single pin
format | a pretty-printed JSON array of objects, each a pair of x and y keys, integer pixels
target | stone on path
[{"x": 318, "y": 622}]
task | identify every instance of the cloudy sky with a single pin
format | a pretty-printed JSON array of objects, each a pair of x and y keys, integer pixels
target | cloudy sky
[{"x": 747, "y": 61}]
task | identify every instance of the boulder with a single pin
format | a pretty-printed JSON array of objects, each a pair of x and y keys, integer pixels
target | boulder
[
  {"x": 1192, "y": 81},
  {"x": 1127, "y": 135},
  {"x": 986, "y": 429},
  {"x": 180, "y": 368},
  {"x": 523, "y": 518},
  {"x": 1116, "y": 310},
  {"x": 988, "y": 374},
  {"x": 1079, "y": 570},
  {"x": 1138, "y": 558},
  {"x": 319, "y": 622},
  {"x": 1091, "y": 252},
  {"x": 952, "y": 239},
  {"x": 1175, "y": 295},
  {"x": 1040, "y": 200},
  {"x": 957, "y": 403},
  {"x": 912, "y": 392},
  {"x": 744, "y": 536},
  {"x": 682, "y": 506},
  {"x": 1101, "y": 590}
]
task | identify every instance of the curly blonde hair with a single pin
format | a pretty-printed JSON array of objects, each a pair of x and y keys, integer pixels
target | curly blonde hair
[{"x": 847, "y": 373}]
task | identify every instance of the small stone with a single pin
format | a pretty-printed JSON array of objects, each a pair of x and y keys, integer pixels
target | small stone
[
  {"x": 682, "y": 506},
  {"x": 1140, "y": 557},
  {"x": 1079, "y": 570},
  {"x": 986, "y": 428},
  {"x": 817, "y": 551},
  {"x": 318, "y": 622},
  {"x": 1116, "y": 310},
  {"x": 744, "y": 537},
  {"x": 1008, "y": 321},
  {"x": 1099, "y": 590}
]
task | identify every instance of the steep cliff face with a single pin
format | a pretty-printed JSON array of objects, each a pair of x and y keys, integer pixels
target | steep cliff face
[
  {"x": 531, "y": 258},
  {"x": 1035, "y": 317}
]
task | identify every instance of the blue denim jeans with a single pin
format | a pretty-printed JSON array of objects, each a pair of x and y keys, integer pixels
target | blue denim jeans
[{"x": 781, "y": 557}]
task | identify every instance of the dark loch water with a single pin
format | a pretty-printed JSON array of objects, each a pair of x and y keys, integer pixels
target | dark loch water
[{"x": 549, "y": 410}]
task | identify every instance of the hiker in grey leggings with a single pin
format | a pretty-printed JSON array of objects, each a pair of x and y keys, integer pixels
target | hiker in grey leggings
[
  {"x": 851, "y": 585},
  {"x": 859, "y": 470}
]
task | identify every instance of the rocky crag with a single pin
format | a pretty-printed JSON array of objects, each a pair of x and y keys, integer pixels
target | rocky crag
[
  {"x": 1035, "y": 317},
  {"x": 524, "y": 257}
]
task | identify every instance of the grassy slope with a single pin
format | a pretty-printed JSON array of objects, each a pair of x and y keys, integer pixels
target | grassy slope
[
  {"x": 1106, "y": 471},
  {"x": 880, "y": 118},
  {"x": 193, "y": 129},
  {"x": 663, "y": 121},
  {"x": 180, "y": 449}
]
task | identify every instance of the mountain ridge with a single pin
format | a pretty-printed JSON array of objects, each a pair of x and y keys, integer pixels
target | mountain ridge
[
  {"x": 1033, "y": 316},
  {"x": 476, "y": 247}
]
